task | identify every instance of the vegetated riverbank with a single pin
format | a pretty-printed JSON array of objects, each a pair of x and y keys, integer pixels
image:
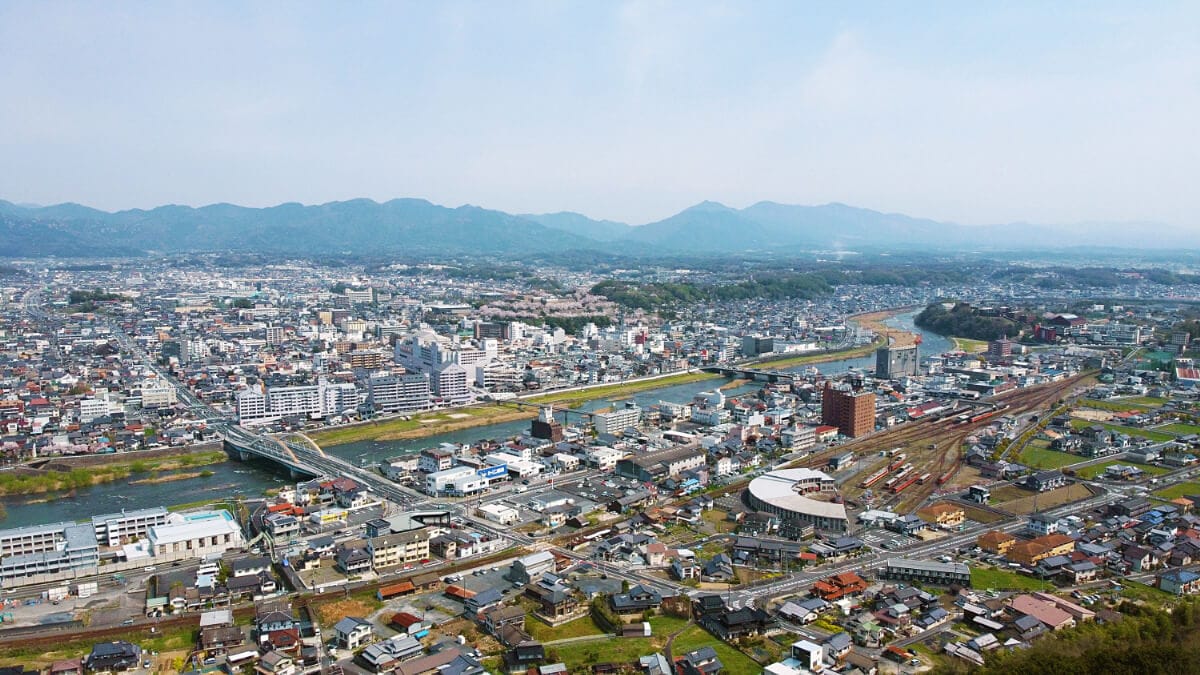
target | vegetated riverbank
[
  {"x": 171, "y": 477},
  {"x": 61, "y": 476},
  {"x": 874, "y": 321},
  {"x": 422, "y": 425}
]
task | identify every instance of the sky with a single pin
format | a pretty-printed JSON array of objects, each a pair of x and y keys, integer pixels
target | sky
[{"x": 972, "y": 112}]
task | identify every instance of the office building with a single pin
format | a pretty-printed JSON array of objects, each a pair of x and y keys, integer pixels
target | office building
[
  {"x": 893, "y": 362},
  {"x": 29, "y": 554},
  {"x": 852, "y": 412}
]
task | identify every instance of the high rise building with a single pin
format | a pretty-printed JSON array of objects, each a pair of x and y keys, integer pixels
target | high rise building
[
  {"x": 999, "y": 349},
  {"x": 545, "y": 426},
  {"x": 852, "y": 412},
  {"x": 893, "y": 362}
]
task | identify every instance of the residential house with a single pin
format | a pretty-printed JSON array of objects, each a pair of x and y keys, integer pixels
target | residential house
[{"x": 352, "y": 632}]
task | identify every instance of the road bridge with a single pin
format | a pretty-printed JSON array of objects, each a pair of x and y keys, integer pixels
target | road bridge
[{"x": 752, "y": 373}]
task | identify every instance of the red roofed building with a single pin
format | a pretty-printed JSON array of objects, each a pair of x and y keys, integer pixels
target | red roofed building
[{"x": 839, "y": 586}]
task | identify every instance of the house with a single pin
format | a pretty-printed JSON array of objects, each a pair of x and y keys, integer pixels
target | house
[
  {"x": 384, "y": 656},
  {"x": 702, "y": 661},
  {"x": 636, "y": 601},
  {"x": 555, "y": 599},
  {"x": 496, "y": 618},
  {"x": 943, "y": 514},
  {"x": 737, "y": 624},
  {"x": 113, "y": 656},
  {"x": 720, "y": 568},
  {"x": 478, "y": 602},
  {"x": 803, "y": 612},
  {"x": 1045, "y": 612},
  {"x": 682, "y": 570},
  {"x": 275, "y": 663},
  {"x": 352, "y": 632},
  {"x": 995, "y": 542},
  {"x": 838, "y": 645},
  {"x": 1179, "y": 582},
  {"x": 250, "y": 567},
  {"x": 528, "y": 568},
  {"x": 1044, "y": 481},
  {"x": 353, "y": 560},
  {"x": 839, "y": 586}
]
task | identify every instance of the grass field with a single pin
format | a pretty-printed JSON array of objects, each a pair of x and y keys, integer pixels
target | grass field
[
  {"x": 1094, "y": 470},
  {"x": 579, "y": 657},
  {"x": 980, "y": 515},
  {"x": 620, "y": 390},
  {"x": 544, "y": 633},
  {"x": 664, "y": 625},
  {"x": 983, "y": 578},
  {"x": 969, "y": 346},
  {"x": 1113, "y": 406},
  {"x": 177, "y": 640},
  {"x": 1045, "y": 500},
  {"x": 1140, "y": 591},
  {"x": 1156, "y": 436},
  {"x": 1179, "y": 429},
  {"x": 1040, "y": 457},
  {"x": 1179, "y": 490},
  {"x": 696, "y": 637},
  {"x": 1146, "y": 400}
]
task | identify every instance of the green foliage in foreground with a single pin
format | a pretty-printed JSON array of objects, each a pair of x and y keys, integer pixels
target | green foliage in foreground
[{"x": 1147, "y": 641}]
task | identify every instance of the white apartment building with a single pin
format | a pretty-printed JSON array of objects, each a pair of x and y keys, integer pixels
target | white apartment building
[
  {"x": 449, "y": 383},
  {"x": 157, "y": 393},
  {"x": 398, "y": 393},
  {"x": 115, "y": 529},
  {"x": 618, "y": 420}
]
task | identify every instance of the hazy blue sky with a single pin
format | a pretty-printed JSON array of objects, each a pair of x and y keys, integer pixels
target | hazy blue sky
[{"x": 974, "y": 112}]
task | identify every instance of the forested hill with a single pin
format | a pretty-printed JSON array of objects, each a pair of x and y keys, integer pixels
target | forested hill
[{"x": 963, "y": 321}]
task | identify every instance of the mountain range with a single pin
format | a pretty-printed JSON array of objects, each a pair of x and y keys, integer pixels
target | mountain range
[{"x": 419, "y": 227}]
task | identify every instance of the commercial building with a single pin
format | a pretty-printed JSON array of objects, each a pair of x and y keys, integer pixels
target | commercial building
[
  {"x": 754, "y": 345},
  {"x": 927, "y": 571},
  {"x": 399, "y": 393},
  {"x": 892, "y": 362},
  {"x": 782, "y": 493},
  {"x": 655, "y": 466},
  {"x": 195, "y": 535},
  {"x": 456, "y": 481},
  {"x": 852, "y": 412}
]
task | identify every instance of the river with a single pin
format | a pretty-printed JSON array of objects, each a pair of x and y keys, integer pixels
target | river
[{"x": 251, "y": 479}]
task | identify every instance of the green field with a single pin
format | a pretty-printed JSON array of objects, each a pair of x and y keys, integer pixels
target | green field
[
  {"x": 1112, "y": 406},
  {"x": 1090, "y": 472},
  {"x": 1179, "y": 490},
  {"x": 620, "y": 390},
  {"x": 579, "y": 657},
  {"x": 1156, "y": 436},
  {"x": 1145, "y": 400},
  {"x": 544, "y": 633},
  {"x": 696, "y": 637},
  {"x": 983, "y": 578},
  {"x": 1045, "y": 458},
  {"x": 1140, "y": 591},
  {"x": 968, "y": 345},
  {"x": 1179, "y": 429}
]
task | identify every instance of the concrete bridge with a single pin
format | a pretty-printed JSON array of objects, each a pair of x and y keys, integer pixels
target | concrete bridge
[{"x": 755, "y": 374}]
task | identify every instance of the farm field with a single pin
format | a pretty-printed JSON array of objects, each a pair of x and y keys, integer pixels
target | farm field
[
  {"x": 1114, "y": 406},
  {"x": 1045, "y": 500}
]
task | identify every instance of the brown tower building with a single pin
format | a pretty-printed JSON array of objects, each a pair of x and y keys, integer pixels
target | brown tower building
[{"x": 853, "y": 413}]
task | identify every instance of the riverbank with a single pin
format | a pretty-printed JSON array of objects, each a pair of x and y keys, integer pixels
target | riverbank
[
  {"x": 63, "y": 476},
  {"x": 821, "y": 357},
  {"x": 969, "y": 346},
  {"x": 171, "y": 477},
  {"x": 876, "y": 323},
  {"x": 422, "y": 425}
]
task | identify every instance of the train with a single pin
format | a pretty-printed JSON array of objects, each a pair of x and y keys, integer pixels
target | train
[
  {"x": 945, "y": 478},
  {"x": 897, "y": 462},
  {"x": 873, "y": 478},
  {"x": 923, "y": 479},
  {"x": 903, "y": 485}
]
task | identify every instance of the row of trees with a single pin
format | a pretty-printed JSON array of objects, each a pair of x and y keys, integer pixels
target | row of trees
[{"x": 653, "y": 296}]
